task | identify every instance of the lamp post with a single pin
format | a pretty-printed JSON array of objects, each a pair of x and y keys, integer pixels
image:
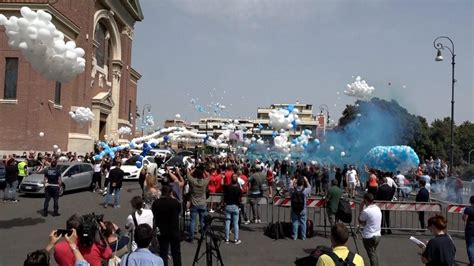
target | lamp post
[
  {"x": 148, "y": 108},
  {"x": 438, "y": 45},
  {"x": 469, "y": 157}
]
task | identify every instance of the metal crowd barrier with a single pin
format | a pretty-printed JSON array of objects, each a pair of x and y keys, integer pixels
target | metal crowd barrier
[
  {"x": 316, "y": 210},
  {"x": 454, "y": 214},
  {"x": 405, "y": 215},
  {"x": 218, "y": 197}
]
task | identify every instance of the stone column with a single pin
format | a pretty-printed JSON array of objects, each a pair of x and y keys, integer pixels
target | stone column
[{"x": 112, "y": 123}]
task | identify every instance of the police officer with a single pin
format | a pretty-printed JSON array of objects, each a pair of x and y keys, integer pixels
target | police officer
[{"x": 52, "y": 181}]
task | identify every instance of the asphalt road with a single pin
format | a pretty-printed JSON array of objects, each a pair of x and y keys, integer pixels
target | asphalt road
[{"x": 23, "y": 230}]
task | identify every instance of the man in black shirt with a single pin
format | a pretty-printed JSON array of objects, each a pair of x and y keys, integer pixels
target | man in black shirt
[
  {"x": 422, "y": 196},
  {"x": 52, "y": 181},
  {"x": 385, "y": 193},
  {"x": 166, "y": 211},
  {"x": 115, "y": 185},
  {"x": 11, "y": 178}
]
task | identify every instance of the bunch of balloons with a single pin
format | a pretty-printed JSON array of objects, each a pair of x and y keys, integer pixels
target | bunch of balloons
[
  {"x": 284, "y": 118},
  {"x": 125, "y": 131},
  {"x": 359, "y": 88},
  {"x": 82, "y": 115},
  {"x": 43, "y": 45},
  {"x": 106, "y": 150},
  {"x": 149, "y": 121},
  {"x": 392, "y": 158}
]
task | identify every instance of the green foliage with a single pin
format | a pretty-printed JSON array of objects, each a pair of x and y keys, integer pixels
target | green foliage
[{"x": 427, "y": 140}]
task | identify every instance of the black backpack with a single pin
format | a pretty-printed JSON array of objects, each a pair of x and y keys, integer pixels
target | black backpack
[
  {"x": 297, "y": 201},
  {"x": 274, "y": 230},
  {"x": 349, "y": 261},
  {"x": 344, "y": 211}
]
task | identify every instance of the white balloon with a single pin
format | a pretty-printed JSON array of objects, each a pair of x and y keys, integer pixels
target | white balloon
[
  {"x": 71, "y": 45},
  {"x": 41, "y": 134},
  {"x": 3, "y": 20},
  {"x": 55, "y": 147},
  {"x": 46, "y": 17},
  {"x": 79, "y": 52},
  {"x": 331, "y": 148},
  {"x": 343, "y": 154}
]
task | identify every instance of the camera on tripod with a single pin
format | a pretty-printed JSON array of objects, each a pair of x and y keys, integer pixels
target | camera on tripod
[{"x": 89, "y": 229}]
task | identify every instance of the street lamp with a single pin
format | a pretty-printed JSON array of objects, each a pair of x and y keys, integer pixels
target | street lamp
[
  {"x": 148, "y": 108},
  {"x": 438, "y": 45},
  {"x": 469, "y": 157}
]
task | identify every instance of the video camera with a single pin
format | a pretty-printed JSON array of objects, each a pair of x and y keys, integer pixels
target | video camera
[
  {"x": 208, "y": 219},
  {"x": 89, "y": 229}
]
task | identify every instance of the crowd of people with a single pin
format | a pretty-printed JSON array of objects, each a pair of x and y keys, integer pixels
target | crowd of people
[{"x": 157, "y": 223}]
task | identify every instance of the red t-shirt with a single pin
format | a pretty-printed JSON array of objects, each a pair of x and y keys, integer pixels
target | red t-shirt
[
  {"x": 228, "y": 177},
  {"x": 269, "y": 175},
  {"x": 65, "y": 257},
  {"x": 245, "y": 186},
  {"x": 215, "y": 184}
]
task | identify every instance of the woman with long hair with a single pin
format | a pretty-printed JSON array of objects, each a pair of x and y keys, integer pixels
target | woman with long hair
[{"x": 150, "y": 191}]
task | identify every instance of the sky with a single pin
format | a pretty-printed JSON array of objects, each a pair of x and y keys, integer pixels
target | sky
[{"x": 246, "y": 54}]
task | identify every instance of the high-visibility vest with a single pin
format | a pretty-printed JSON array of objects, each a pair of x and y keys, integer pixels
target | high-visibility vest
[{"x": 22, "y": 169}]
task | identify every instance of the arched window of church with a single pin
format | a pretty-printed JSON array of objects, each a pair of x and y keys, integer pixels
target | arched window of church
[{"x": 101, "y": 49}]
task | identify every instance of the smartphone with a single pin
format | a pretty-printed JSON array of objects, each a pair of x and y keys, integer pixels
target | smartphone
[{"x": 63, "y": 232}]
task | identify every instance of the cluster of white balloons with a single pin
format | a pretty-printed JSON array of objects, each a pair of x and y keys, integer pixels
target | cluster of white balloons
[
  {"x": 359, "y": 88},
  {"x": 284, "y": 118},
  {"x": 82, "y": 115},
  {"x": 178, "y": 116},
  {"x": 175, "y": 135},
  {"x": 125, "y": 130},
  {"x": 281, "y": 142},
  {"x": 43, "y": 45}
]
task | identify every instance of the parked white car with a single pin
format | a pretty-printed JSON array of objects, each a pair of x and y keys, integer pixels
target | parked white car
[{"x": 133, "y": 172}]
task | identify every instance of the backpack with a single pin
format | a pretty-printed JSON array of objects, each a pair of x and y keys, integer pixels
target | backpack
[
  {"x": 349, "y": 261},
  {"x": 297, "y": 201},
  {"x": 274, "y": 230},
  {"x": 344, "y": 211},
  {"x": 309, "y": 228},
  {"x": 312, "y": 259}
]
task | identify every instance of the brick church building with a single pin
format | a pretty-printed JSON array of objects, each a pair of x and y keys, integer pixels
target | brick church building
[{"x": 30, "y": 104}]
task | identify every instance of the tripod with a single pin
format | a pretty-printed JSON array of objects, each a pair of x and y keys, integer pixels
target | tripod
[
  {"x": 352, "y": 232},
  {"x": 211, "y": 240}
]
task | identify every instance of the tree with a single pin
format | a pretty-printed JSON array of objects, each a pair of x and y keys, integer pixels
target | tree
[{"x": 464, "y": 138}]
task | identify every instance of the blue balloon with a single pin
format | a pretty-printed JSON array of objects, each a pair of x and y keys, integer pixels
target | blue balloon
[
  {"x": 290, "y": 107},
  {"x": 153, "y": 145},
  {"x": 274, "y": 134},
  {"x": 140, "y": 158},
  {"x": 145, "y": 145},
  {"x": 165, "y": 138},
  {"x": 138, "y": 164},
  {"x": 316, "y": 141}
]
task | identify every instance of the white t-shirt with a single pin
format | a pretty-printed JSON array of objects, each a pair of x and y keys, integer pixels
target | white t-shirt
[
  {"x": 401, "y": 180},
  {"x": 97, "y": 167},
  {"x": 372, "y": 216},
  {"x": 145, "y": 217},
  {"x": 351, "y": 175},
  {"x": 390, "y": 182}
]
